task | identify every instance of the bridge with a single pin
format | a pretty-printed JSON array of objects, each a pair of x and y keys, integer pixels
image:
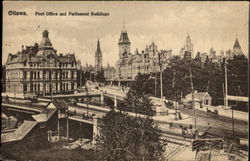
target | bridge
[
  {"x": 21, "y": 108},
  {"x": 31, "y": 117}
]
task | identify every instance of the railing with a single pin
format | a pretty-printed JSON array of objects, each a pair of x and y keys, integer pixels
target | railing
[{"x": 24, "y": 104}]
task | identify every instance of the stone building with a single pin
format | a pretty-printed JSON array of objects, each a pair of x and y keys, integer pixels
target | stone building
[
  {"x": 3, "y": 79},
  {"x": 187, "y": 48},
  {"x": 109, "y": 73},
  {"x": 39, "y": 69},
  {"x": 146, "y": 62},
  {"x": 236, "y": 50},
  {"x": 202, "y": 97}
]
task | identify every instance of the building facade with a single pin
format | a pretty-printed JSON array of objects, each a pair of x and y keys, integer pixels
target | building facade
[
  {"x": 39, "y": 69},
  {"x": 218, "y": 58},
  {"x": 109, "y": 73},
  {"x": 147, "y": 61}
]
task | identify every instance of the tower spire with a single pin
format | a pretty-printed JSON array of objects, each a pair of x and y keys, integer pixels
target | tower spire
[
  {"x": 123, "y": 27},
  {"x": 98, "y": 57},
  {"x": 98, "y": 49}
]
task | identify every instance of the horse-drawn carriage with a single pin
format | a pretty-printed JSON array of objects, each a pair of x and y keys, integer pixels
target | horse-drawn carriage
[
  {"x": 188, "y": 132},
  {"x": 214, "y": 113}
]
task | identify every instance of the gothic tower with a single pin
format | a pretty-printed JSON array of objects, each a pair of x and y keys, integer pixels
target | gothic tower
[
  {"x": 98, "y": 57},
  {"x": 188, "y": 45},
  {"x": 237, "y": 48},
  {"x": 124, "y": 43}
]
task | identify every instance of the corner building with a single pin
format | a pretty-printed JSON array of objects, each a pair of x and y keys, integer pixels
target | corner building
[{"x": 39, "y": 69}]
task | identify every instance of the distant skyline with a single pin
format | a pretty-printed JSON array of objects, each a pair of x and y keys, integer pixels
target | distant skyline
[{"x": 209, "y": 24}]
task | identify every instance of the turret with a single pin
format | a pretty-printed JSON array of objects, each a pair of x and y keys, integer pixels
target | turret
[{"x": 124, "y": 43}]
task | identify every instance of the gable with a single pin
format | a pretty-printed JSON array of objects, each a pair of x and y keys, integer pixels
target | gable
[{"x": 51, "y": 106}]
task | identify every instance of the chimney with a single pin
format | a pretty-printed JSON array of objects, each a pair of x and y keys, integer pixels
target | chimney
[{"x": 22, "y": 47}]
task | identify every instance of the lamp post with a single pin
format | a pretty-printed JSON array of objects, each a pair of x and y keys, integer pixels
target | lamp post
[
  {"x": 192, "y": 92},
  {"x": 87, "y": 100}
]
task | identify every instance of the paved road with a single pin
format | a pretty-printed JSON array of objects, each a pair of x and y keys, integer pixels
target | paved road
[{"x": 219, "y": 125}]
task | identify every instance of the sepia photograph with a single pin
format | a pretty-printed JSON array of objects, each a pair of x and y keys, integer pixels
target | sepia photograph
[{"x": 125, "y": 80}]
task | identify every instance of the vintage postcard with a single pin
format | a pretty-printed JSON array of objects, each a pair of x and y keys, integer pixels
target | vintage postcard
[{"x": 125, "y": 80}]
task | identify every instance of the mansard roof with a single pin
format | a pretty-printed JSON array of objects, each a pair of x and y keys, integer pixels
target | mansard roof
[
  {"x": 124, "y": 37},
  {"x": 35, "y": 54}
]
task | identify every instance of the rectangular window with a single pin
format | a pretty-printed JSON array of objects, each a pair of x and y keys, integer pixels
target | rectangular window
[
  {"x": 24, "y": 74},
  {"x": 31, "y": 75}
]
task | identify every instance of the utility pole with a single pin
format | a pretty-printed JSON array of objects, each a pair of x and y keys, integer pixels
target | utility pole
[
  {"x": 226, "y": 101},
  {"x": 192, "y": 92},
  {"x": 192, "y": 89},
  {"x": 223, "y": 93},
  {"x": 159, "y": 56},
  {"x": 176, "y": 107}
]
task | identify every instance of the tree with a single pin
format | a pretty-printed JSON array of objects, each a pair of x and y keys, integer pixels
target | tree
[
  {"x": 99, "y": 77},
  {"x": 238, "y": 76},
  {"x": 208, "y": 77},
  {"x": 123, "y": 137},
  {"x": 143, "y": 84},
  {"x": 136, "y": 99}
]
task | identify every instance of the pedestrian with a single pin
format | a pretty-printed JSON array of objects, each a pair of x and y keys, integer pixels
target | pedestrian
[
  {"x": 190, "y": 126},
  {"x": 171, "y": 125}
]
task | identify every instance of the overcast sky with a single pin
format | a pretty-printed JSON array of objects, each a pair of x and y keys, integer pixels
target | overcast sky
[{"x": 210, "y": 24}]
